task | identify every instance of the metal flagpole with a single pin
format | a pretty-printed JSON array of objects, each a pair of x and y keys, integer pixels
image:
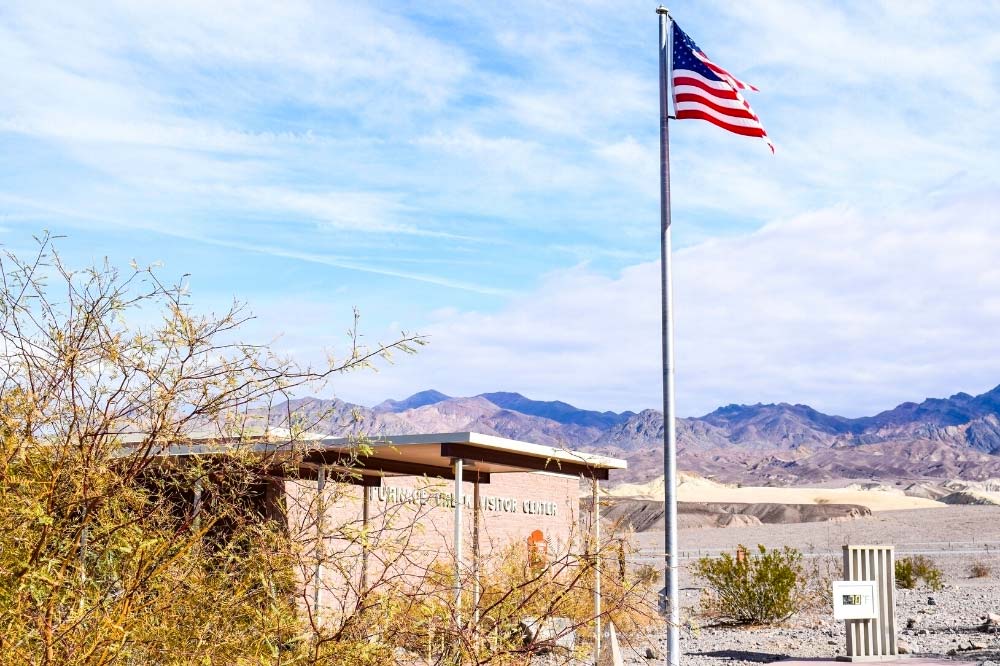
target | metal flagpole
[{"x": 669, "y": 431}]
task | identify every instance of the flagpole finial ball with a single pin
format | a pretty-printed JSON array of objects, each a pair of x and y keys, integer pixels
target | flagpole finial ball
[{"x": 662, "y": 10}]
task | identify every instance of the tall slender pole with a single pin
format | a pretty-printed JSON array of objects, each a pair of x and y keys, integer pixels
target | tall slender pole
[
  {"x": 84, "y": 538},
  {"x": 196, "y": 505},
  {"x": 475, "y": 550},
  {"x": 458, "y": 541},
  {"x": 595, "y": 522},
  {"x": 365, "y": 519},
  {"x": 320, "y": 536},
  {"x": 669, "y": 431}
]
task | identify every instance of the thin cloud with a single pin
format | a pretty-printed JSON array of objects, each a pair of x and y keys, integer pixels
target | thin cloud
[
  {"x": 270, "y": 250},
  {"x": 849, "y": 313},
  {"x": 337, "y": 262}
]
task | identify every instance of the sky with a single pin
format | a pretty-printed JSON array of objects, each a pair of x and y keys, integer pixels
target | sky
[{"x": 487, "y": 175}]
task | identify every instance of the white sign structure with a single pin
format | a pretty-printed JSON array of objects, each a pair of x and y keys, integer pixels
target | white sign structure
[
  {"x": 855, "y": 600},
  {"x": 869, "y": 613}
]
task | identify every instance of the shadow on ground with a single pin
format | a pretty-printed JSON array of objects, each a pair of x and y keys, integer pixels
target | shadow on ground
[{"x": 741, "y": 655}]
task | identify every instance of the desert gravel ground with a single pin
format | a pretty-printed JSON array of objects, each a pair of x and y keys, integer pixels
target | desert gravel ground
[
  {"x": 954, "y": 537},
  {"x": 944, "y": 623}
]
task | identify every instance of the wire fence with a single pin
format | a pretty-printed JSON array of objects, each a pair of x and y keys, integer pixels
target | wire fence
[{"x": 941, "y": 548}]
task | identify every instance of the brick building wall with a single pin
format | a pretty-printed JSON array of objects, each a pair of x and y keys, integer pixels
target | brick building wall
[{"x": 411, "y": 525}]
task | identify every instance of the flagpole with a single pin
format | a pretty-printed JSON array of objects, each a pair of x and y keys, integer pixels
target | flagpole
[{"x": 672, "y": 590}]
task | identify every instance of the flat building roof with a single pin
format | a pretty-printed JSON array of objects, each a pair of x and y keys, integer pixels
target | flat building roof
[{"x": 430, "y": 454}]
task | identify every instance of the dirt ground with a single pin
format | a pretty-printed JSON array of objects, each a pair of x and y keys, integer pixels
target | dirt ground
[{"x": 944, "y": 621}]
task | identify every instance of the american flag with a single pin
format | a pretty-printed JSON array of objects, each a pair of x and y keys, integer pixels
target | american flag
[{"x": 705, "y": 91}]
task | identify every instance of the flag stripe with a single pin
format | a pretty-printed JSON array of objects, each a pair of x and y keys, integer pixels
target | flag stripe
[
  {"x": 735, "y": 129},
  {"x": 706, "y": 83},
  {"x": 756, "y": 132},
  {"x": 702, "y": 108},
  {"x": 730, "y": 106},
  {"x": 682, "y": 83}
]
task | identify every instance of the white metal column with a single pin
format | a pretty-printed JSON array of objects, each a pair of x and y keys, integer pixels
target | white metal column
[
  {"x": 84, "y": 538},
  {"x": 196, "y": 504},
  {"x": 596, "y": 531},
  {"x": 365, "y": 517},
  {"x": 320, "y": 546},
  {"x": 457, "y": 465},
  {"x": 475, "y": 549}
]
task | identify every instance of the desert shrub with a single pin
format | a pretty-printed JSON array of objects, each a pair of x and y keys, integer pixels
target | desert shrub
[
  {"x": 915, "y": 568},
  {"x": 763, "y": 587},
  {"x": 980, "y": 569},
  {"x": 648, "y": 574},
  {"x": 103, "y": 556},
  {"x": 819, "y": 574},
  {"x": 514, "y": 589}
]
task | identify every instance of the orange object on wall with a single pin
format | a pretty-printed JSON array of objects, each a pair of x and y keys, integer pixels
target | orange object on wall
[{"x": 538, "y": 549}]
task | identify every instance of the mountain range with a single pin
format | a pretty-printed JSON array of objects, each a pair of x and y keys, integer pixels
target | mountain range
[{"x": 955, "y": 437}]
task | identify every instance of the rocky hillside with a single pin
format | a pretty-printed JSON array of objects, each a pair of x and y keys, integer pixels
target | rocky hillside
[
  {"x": 642, "y": 515},
  {"x": 956, "y": 437}
]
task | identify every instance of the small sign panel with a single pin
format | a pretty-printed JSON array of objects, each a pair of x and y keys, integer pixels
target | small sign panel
[{"x": 855, "y": 600}]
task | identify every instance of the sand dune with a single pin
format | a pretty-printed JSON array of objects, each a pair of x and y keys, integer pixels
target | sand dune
[{"x": 693, "y": 488}]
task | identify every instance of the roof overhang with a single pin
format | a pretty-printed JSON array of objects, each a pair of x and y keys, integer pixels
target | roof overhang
[{"x": 417, "y": 455}]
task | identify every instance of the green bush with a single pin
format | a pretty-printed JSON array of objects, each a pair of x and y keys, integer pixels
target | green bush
[
  {"x": 915, "y": 568},
  {"x": 761, "y": 587}
]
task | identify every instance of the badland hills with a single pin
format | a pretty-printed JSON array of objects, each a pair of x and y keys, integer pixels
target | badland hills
[{"x": 763, "y": 444}]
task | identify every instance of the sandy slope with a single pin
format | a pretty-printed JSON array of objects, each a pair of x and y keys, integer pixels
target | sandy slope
[{"x": 693, "y": 488}]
